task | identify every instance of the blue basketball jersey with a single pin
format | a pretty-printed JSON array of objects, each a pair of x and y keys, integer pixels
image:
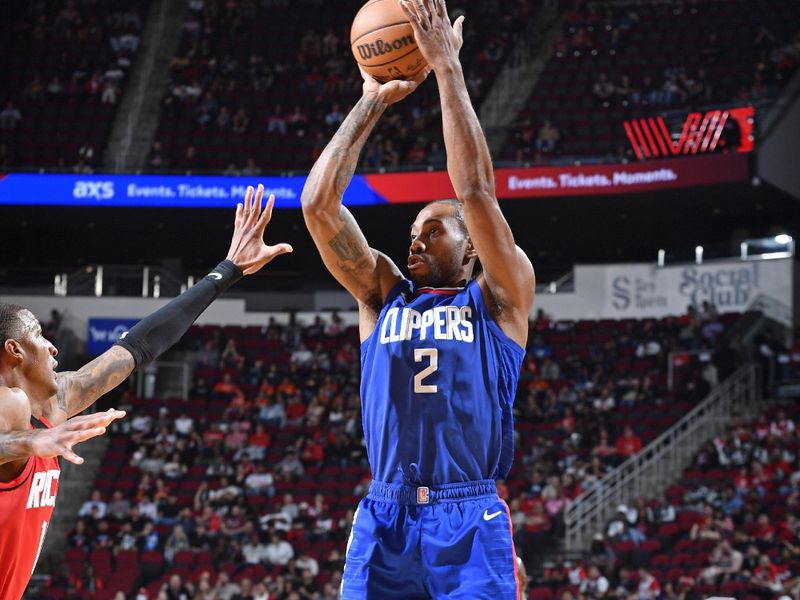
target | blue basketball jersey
[{"x": 438, "y": 379}]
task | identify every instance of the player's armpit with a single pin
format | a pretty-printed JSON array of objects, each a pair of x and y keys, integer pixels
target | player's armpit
[
  {"x": 512, "y": 281},
  {"x": 78, "y": 390}
]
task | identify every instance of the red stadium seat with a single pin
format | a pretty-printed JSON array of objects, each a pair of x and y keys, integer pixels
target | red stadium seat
[{"x": 540, "y": 593}]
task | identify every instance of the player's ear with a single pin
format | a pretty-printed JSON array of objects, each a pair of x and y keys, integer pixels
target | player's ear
[
  {"x": 12, "y": 350},
  {"x": 469, "y": 252}
]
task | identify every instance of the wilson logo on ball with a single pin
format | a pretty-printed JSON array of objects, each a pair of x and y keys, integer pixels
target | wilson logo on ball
[{"x": 379, "y": 47}]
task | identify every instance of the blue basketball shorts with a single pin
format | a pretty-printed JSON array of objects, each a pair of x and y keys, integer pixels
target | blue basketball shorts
[{"x": 450, "y": 542}]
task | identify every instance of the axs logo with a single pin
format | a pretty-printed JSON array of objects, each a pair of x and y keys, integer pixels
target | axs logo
[{"x": 99, "y": 190}]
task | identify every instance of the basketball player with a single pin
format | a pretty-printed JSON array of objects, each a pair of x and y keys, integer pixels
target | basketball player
[
  {"x": 440, "y": 355},
  {"x": 36, "y": 403}
]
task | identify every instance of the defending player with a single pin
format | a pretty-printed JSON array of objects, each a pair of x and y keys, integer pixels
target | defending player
[
  {"x": 36, "y": 403},
  {"x": 440, "y": 354}
]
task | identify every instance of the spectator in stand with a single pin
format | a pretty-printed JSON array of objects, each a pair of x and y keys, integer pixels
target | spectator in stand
[
  {"x": 649, "y": 587},
  {"x": 601, "y": 553},
  {"x": 301, "y": 357},
  {"x": 190, "y": 161},
  {"x": 119, "y": 507},
  {"x": 547, "y": 138},
  {"x": 334, "y": 117},
  {"x": 724, "y": 562},
  {"x": 603, "y": 90},
  {"x": 225, "y": 589},
  {"x": 158, "y": 160},
  {"x": 184, "y": 425},
  {"x": 276, "y": 123},
  {"x": 10, "y": 117},
  {"x": 713, "y": 526},
  {"x": 240, "y": 122},
  {"x": 251, "y": 169},
  {"x": 94, "y": 504},
  {"x": 595, "y": 585},
  {"x": 603, "y": 448},
  {"x": 628, "y": 443},
  {"x": 278, "y": 551},
  {"x": 176, "y": 542},
  {"x": 290, "y": 466},
  {"x": 231, "y": 358},
  {"x": 766, "y": 576},
  {"x": 227, "y": 388},
  {"x": 782, "y": 427},
  {"x": 297, "y": 121},
  {"x": 260, "y": 482}
]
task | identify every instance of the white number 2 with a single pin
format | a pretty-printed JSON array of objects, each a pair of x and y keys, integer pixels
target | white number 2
[{"x": 419, "y": 354}]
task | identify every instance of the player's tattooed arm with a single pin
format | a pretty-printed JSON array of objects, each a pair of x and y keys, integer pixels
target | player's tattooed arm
[
  {"x": 78, "y": 390},
  {"x": 18, "y": 442},
  {"x": 342, "y": 245}
]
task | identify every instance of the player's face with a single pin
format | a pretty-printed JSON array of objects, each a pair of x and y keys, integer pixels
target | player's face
[
  {"x": 40, "y": 355},
  {"x": 437, "y": 254}
]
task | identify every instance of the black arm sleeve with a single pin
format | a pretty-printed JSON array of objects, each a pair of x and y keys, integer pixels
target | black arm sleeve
[{"x": 155, "y": 334}]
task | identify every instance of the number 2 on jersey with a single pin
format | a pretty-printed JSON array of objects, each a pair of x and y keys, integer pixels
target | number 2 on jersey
[{"x": 419, "y": 355}]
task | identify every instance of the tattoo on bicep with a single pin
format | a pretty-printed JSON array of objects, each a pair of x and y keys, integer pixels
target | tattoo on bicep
[
  {"x": 347, "y": 245},
  {"x": 61, "y": 395}
]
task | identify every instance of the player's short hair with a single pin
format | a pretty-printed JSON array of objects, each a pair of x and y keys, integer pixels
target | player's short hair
[
  {"x": 458, "y": 215},
  {"x": 10, "y": 322}
]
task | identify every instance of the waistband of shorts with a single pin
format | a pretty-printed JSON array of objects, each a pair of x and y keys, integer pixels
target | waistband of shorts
[{"x": 422, "y": 495}]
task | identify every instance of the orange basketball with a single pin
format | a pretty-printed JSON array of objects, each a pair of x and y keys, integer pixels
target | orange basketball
[{"x": 383, "y": 42}]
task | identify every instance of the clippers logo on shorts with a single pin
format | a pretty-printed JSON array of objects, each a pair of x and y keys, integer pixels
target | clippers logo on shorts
[
  {"x": 423, "y": 495},
  {"x": 42, "y": 489}
]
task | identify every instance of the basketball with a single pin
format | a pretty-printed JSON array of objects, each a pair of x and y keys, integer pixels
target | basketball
[{"x": 383, "y": 42}]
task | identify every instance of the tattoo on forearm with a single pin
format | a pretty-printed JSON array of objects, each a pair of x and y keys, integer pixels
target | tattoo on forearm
[
  {"x": 15, "y": 445},
  {"x": 95, "y": 379},
  {"x": 61, "y": 396},
  {"x": 346, "y": 145},
  {"x": 340, "y": 157}
]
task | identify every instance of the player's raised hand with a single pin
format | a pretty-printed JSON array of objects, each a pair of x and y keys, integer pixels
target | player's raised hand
[
  {"x": 438, "y": 40},
  {"x": 59, "y": 440},
  {"x": 248, "y": 250},
  {"x": 392, "y": 91}
]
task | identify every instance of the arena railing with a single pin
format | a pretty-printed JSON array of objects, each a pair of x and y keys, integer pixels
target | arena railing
[{"x": 658, "y": 464}]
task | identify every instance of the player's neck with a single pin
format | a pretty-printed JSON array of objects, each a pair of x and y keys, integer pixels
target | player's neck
[
  {"x": 38, "y": 399},
  {"x": 454, "y": 284}
]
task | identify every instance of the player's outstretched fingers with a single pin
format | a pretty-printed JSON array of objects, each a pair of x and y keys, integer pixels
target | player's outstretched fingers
[
  {"x": 111, "y": 415},
  {"x": 72, "y": 457},
  {"x": 411, "y": 14},
  {"x": 100, "y": 419},
  {"x": 255, "y": 209},
  {"x": 84, "y": 435},
  {"x": 266, "y": 214},
  {"x": 422, "y": 13}
]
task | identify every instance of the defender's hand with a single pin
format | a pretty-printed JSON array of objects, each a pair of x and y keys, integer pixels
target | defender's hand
[
  {"x": 248, "y": 250},
  {"x": 391, "y": 91},
  {"x": 58, "y": 441},
  {"x": 438, "y": 41}
]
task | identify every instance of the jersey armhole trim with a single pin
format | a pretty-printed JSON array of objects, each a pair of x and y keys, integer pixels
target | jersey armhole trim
[
  {"x": 19, "y": 480},
  {"x": 494, "y": 326}
]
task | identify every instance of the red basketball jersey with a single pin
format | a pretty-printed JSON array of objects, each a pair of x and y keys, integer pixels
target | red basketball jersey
[{"x": 26, "y": 505}]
